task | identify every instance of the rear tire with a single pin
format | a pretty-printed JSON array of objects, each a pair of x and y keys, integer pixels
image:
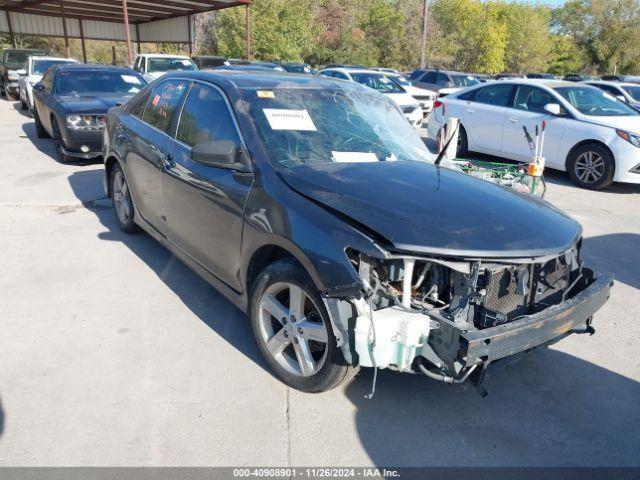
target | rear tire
[
  {"x": 40, "y": 131},
  {"x": 122, "y": 201},
  {"x": 463, "y": 145},
  {"x": 295, "y": 336},
  {"x": 23, "y": 104},
  {"x": 591, "y": 166}
]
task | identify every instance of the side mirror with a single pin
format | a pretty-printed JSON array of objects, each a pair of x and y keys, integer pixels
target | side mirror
[
  {"x": 218, "y": 153},
  {"x": 22, "y": 72},
  {"x": 552, "y": 108},
  {"x": 38, "y": 87},
  {"x": 448, "y": 84}
]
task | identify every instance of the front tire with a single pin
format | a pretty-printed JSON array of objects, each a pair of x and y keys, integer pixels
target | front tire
[
  {"x": 591, "y": 166},
  {"x": 122, "y": 201},
  {"x": 293, "y": 330},
  {"x": 59, "y": 142}
]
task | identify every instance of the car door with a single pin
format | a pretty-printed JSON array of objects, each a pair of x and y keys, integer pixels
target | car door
[
  {"x": 45, "y": 100},
  {"x": 205, "y": 203},
  {"x": 483, "y": 117},
  {"x": 528, "y": 111},
  {"x": 148, "y": 146}
]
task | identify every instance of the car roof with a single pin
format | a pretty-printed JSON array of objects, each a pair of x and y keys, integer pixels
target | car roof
[
  {"x": 60, "y": 59},
  {"x": 612, "y": 83},
  {"x": 263, "y": 79},
  {"x": 162, "y": 55},
  {"x": 92, "y": 67},
  {"x": 355, "y": 70}
]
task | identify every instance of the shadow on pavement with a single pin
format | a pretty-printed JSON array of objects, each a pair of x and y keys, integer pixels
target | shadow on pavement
[
  {"x": 24, "y": 113},
  {"x": 45, "y": 145},
  {"x": 1, "y": 419},
  {"x": 550, "y": 409},
  {"x": 203, "y": 300},
  {"x": 615, "y": 253}
]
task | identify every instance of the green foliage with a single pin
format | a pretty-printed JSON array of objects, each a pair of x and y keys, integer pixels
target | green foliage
[
  {"x": 484, "y": 36},
  {"x": 608, "y": 31}
]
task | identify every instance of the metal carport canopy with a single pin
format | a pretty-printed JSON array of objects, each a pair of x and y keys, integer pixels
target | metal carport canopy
[{"x": 159, "y": 21}]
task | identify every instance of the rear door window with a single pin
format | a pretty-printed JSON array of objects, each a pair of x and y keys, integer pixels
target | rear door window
[
  {"x": 162, "y": 104},
  {"x": 497, "y": 95}
]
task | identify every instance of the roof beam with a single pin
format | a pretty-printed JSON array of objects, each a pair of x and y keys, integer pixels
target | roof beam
[
  {"x": 78, "y": 13},
  {"x": 105, "y": 5},
  {"x": 68, "y": 6}
]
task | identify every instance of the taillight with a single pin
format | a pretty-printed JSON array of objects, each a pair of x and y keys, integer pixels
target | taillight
[{"x": 437, "y": 104}]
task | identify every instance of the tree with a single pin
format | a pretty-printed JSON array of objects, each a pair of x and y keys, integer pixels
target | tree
[
  {"x": 608, "y": 31},
  {"x": 528, "y": 43}
]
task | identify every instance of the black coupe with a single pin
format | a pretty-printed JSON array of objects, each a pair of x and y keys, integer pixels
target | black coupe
[{"x": 71, "y": 101}]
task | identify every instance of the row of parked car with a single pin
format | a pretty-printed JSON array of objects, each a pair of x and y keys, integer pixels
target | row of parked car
[
  {"x": 592, "y": 128},
  {"x": 313, "y": 206}
]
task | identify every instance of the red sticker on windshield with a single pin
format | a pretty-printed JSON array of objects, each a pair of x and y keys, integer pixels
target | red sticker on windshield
[{"x": 155, "y": 101}]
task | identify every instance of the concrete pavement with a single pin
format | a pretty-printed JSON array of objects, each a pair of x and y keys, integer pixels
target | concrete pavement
[{"x": 113, "y": 353}]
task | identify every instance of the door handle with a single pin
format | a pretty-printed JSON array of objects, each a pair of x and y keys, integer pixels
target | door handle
[
  {"x": 168, "y": 162},
  {"x": 513, "y": 120},
  {"x": 469, "y": 110}
]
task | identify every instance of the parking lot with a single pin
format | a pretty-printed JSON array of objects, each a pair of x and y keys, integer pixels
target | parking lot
[{"x": 114, "y": 353}]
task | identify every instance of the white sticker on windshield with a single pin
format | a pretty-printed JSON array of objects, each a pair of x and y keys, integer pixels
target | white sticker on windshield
[
  {"x": 131, "y": 79},
  {"x": 354, "y": 157},
  {"x": 186, "y": 63},
  {"x": 281, "y": 119}
]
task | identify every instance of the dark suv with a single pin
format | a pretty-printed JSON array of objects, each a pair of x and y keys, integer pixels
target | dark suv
[
  {"x": 314, "y": 207},
  {"x": 12, "y": 60},
  {"x": 438, "y": 79}
]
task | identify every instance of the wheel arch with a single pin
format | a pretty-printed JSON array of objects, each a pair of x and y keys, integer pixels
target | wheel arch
[
  {"x": 582, "y": 143},
  {"x": 271, "y": 252},
  {"x": 109, "y": 163}
]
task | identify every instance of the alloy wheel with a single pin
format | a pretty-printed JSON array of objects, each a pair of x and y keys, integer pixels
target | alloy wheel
[
  {"x": 294, "y": 333},
  {"x": 589, "y": 167},
  {"x": 121, "y": 197}
]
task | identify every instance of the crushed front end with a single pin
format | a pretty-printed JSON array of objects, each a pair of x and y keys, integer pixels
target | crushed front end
[{"x": 450, "y": 318}]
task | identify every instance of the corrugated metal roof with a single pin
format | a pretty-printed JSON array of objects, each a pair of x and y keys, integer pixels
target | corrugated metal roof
[{"x": 157, "y": 20}]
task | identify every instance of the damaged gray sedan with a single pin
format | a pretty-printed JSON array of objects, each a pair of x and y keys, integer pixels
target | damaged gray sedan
[{"x": 314, "y": 206}]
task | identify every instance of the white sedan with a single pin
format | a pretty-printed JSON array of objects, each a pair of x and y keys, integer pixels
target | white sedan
[
  {"x": 590, "y": 134},
  {"x": 382, "y": 83},
  {"x": 31, "y": 74}
]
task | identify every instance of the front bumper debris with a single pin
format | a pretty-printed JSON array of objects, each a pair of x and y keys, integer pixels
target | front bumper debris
[
  {"x": 546, "y": 327},
  {"x": 397, "y": 339}
]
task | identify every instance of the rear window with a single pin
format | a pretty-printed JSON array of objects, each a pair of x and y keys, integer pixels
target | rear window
[{"x": 20, "y": 56}]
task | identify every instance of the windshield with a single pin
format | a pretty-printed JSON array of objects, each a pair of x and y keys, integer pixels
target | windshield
[
  {"x": 82, "y": 82},
  {"x": 169, "y": 64},
  {"x": 594, "y": 102},
  {"x": 20, "y": 56},
  {"x": 633, "y": 91},
  {"x": 297, "y": 69},
  {"x": 464, "y": 80},
  {"x": 401, "y": 80},
  {"x": 305, "y": 126},
  {"x": 41, "y": 66}
]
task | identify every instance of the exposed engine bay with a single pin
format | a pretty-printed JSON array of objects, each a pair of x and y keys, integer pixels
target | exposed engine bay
[{"x": 439, "y": 316}]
